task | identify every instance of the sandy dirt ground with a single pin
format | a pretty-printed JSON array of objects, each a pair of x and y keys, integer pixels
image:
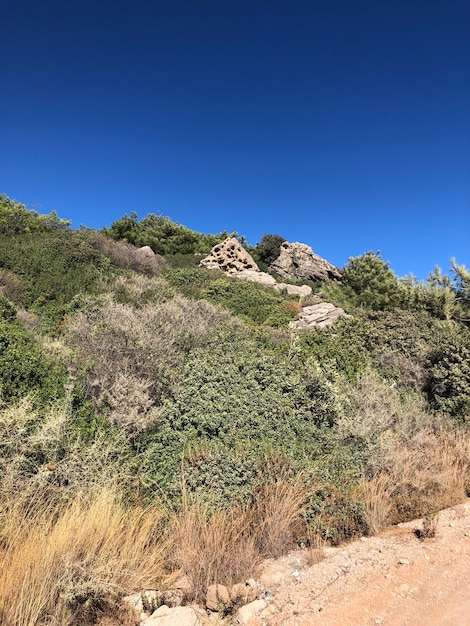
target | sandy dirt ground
[{"x": 393, "y": 579}]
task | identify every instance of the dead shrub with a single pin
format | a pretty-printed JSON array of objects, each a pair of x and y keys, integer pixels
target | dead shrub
[
  {"x": 429, "y": 527},
  {"x": 377, "y": 413},
  {"x": 12, "y": 286},
  {"x": 127, "y": 256},
  {"x": 412, "y": 374},
  {"x": 294, "y": 307},
  {"x": 129, "y": 358}
]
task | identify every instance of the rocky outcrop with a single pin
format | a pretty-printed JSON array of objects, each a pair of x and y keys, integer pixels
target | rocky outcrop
[
  {"x": 318, "y": 315},
  {"x": 266, "y": 279},
  {"x": 300, "y": 261},
  {"x": 229, "y": 256}
]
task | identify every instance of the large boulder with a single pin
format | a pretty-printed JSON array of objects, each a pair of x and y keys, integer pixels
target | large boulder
[
  {"x": 229, "y": 256},
  {"x": 300, "y": 261}
]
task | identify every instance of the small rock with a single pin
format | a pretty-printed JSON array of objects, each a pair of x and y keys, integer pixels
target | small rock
[
  {"x": 244, "y": 593},
  {"x": 403, "y": 562},
  {"x": 249, "y": 611},
  {"x": 217, "y": 598},
  {"x": 134, "y": 602},
  {"x": 176, "y": 616}
]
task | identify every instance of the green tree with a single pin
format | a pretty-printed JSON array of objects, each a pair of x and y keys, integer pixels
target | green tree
[
  {"x": 269, "y": 248},
  {"x": 450, "y": 294},
  {"x": 369, "y": 282},
  {"x": 16, "y": 219}
]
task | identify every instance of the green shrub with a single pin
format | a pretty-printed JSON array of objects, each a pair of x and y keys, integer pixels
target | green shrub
[
  {"x": 339, "y": 347},
  {"x": 7, "y": 309},
  {"x": 251, "y": 301},
  {"x": 24, "y": 368},
  {"x": 241, "y": 399},
  {"x": 449, "y": 383},
  {"x": 163, "y": 235},
  {"x": 367, "y": 281},
  {"x": 54, "y": 267}
]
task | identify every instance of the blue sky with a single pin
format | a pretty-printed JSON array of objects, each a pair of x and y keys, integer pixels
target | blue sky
[{"x": 342, "y": 124}]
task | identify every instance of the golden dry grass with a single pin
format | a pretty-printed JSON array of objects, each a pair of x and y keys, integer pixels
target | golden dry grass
[
  {"x": 56, "y": 558},
  {"x": 63, "y": 562},
  {"x": 419, "y": 476}
]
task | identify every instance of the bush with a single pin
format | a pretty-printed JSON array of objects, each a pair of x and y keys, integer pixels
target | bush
[
  {"x": 54, "y": 268},
  {"x": 130, "y": 359},
  {"x": 449, "y": 382},
  {"x": 164, "y": 236},
  {"x": 24, "y": 368},
  {"x": 234, "y": 401},
  {"x": 251, "y": 301},
  {"x": 369, "y": 282},
  {"x": 7, "y": 310}
]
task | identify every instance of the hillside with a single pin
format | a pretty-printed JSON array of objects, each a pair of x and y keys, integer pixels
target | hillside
[{"x": 160, "y": 419}]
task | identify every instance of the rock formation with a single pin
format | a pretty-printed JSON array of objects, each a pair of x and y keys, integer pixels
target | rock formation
[
  {"x": 318, "y": 315},
  {"x": 266, "y": 279},
  {"x": 229, "y": 256},
  {"x": 300, "y": 261}
]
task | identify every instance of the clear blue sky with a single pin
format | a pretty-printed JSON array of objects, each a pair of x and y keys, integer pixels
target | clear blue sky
[{"x": 344, "y": 124}]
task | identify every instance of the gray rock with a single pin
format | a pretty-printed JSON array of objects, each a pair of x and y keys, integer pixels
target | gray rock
[
  {"x": 300, "y": 261},
  {"x": 318, "y": 315},
  {"x": 243, "y": 593},
  {"x": 255, "y": 276},
  {"x": 294, "y": 290},
  {"x": 146, "y": 252},
  {"x": 134, "y": 602}
]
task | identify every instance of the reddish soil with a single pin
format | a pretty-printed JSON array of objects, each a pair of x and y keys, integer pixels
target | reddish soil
[{"x": 393, "y": 579}]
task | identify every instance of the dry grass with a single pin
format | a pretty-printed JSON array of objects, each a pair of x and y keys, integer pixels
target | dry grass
[
  {"x": 227, "y": 546},
  {"x": 276, "y": 514},
  {"x": 315, "y": 550},
  {"x": 375, "y": 494},
  {"x": 417, "y": 476},
  {"x": 212, "y": 548},
  {"x": 62, "y": 561},
  {"x": 293, "y": 306}
]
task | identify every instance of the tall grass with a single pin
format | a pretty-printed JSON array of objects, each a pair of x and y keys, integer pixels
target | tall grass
[
  {"x": 65, "y": 562},
  {"x": 62, "y": 562}
]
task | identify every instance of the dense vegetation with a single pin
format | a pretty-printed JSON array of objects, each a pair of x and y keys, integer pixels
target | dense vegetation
[{"x": 181, "y": 395}]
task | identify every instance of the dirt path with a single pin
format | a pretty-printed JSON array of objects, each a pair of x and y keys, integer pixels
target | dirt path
[{"x": 394, "y": 579}]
